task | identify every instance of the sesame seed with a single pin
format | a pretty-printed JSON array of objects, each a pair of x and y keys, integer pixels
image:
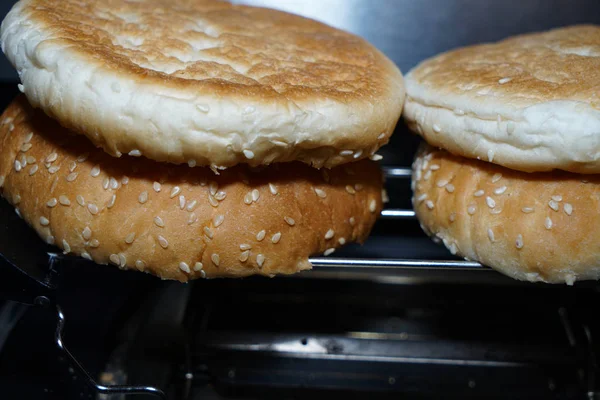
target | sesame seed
[
  {"x": 471, "y": 209},
  {"x": 72, "y": 176},
  {"x": 208, "y": 232},
  {"x": 53, "y": 169},
  {"x": 215, "y": 259},
  {"x": 450, "y": 188},
  {"x": 289, "y": 221},
  {"x": 64, "y": 200},
  {"x": 143, "y": 197},
  {"x": 191, "y": 205},
  {"x": 111, "y": 201},
  {"x": 28, "y": 137},
  {"x": 248, "y": 198},
  {"x": 244, "y": 246},
  {"x": 557, "y": 198},
  {"x": 92, "y": 208},
  {"x": 212, "y": 201},
  {"x": 198, "y": 266},
  {"x": 376, "y": 157},
  {"x": 130, "y": 238},
  {"x": 184, "y": 267},
  {"x": 18, "y": 166},
  {"x": 350, "y": 189},
  {"x": 342, "y": 241},
  {"x": 21, "y": 88},
  {"x": 261, "y": 235},
  {"x": 381, "y": 136},
  {"x": 373, "y": 205},
  {"x": 125, "y": 180},
  {"x": 434, "y": 167},
  {"x": 384, "y": 196},
  {"x": 175, "y": 191},
  {"x": 114, "y": 258},
  {"x": 490, "y": 155},
  {"x": 527, "y": 210},
  {"x": 452, "y": 217},
  {"x": 244, "y": 256},
  {"x": 429, "y": 204},
  {"x": 192, "y": 218},
  {"x": 330, "y": 233},
  {"x": 18, "y": 213},
  {"x": 504, "y": 80},
  {"x": 255, "y": 195},
  {"x": 218, "y": 220},
  {"x": 51, "y": 158},
  {"x": 568, "y": 208},
  {"x": 320, "y": 193},
  {"x": 86, "y": 233},
  {"x": 31, "y": 159},
  {"x": 500, "y": 190},
  {"x": 140, "y": 265},
  {"x": 548, "y": 223},
  {"x": 249, "y": 154},
  {"x": 496, "y": 177},
  {"x": 94, "y": 243},
  {"x": 328, "y": 251},
  {"x": 80, "y": 200},
  {"x": 220, "y": 196},
  {"x": 95, "y": 171},
  {"x": 519, "y": 241},
  {"x": 553, "y": 205},
  {"x": 491, "y": 203},
  {"x": 276, "y": 237},
  {"x": 422, "y": 197},
  {"x": 163, "y": 242},
  {"x": 441, "y": 183},
  {"x": 105, "y": 183},
  {"x": 50, "y": 239},
  {"x": 436, "y": 128},
  {"x": 213, "y": 187},
  {"x": 44, "y": 221},
  {"x": 427, "y": 175},
  {"x": 122, "y": 260},
  {"x": 135, "y": 153},
  {"x": 114, "y": 184},
  {"x": 260, "y": 260},
  {"x": 158, "y": 221},
  {"x": 72, "y": 166},
  {"x": 86, "y": 255},
  {"x": 25, "y": 147},
  {"x": 491, "y": 235},
  {"x": 156, "y": 186},
  {"x": 16, "y": 199},
  {"x": 191, "y": 163},
  {"x": 352, "y": 221},
  {"x": 52, "y": 202}
]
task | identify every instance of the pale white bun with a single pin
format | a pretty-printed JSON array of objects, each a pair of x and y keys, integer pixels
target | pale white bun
[
  {"x": 204, "y": 82},
  {"x": 178, "y": 222},
  {"x": 534, "y": 227},
  {"x": 528, "y": 103}
]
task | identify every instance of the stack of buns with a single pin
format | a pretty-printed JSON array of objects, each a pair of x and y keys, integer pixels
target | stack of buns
[
  {"x": 509, "y": 176},
  {"x": 193, "y": 139}
]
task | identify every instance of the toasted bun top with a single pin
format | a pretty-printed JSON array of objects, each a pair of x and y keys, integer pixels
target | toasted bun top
[
  {"x": 204, "y": 82},
  {"x": 528, "y": 103},
  {"x": 174, "y": 221},
  {"x": 535, "y": 227}
]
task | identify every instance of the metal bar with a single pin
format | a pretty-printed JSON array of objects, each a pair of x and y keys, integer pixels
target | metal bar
[
  {"x": 394, "y": 172},
  {"x": 391, "y": 263},
  {"x": 397, "y": 214}
]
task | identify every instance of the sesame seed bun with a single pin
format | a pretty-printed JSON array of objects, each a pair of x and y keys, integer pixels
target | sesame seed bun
[
  {"x": 534, "y": 227},
  {"x": 528, "y": 103},
  {"x": 204, "y": 82},
  {"x": 178, "y": 222}
]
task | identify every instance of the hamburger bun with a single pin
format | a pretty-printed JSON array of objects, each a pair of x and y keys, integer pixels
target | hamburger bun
[
  {"x": 529, "y": 103},
  {"x": 174, "y": 221},
  {"x": 204, "y": 82},
  {"x": 534, "y": 227}
]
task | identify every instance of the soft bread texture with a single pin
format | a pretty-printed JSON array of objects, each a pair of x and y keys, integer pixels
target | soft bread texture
[
  {"x": 534, "y": 227},
  {"x": 178, "y": 222},
  {"x": 204, "y": 82},
  {"x": 528, "y": 103}
]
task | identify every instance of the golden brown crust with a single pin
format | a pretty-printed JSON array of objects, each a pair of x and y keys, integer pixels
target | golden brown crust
[
  {"x": 536, "y": 227},
  {"x": 529, "y": 102},
  {"x": 141, "y": 214},
  {"x": 231, "y": 77}
]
